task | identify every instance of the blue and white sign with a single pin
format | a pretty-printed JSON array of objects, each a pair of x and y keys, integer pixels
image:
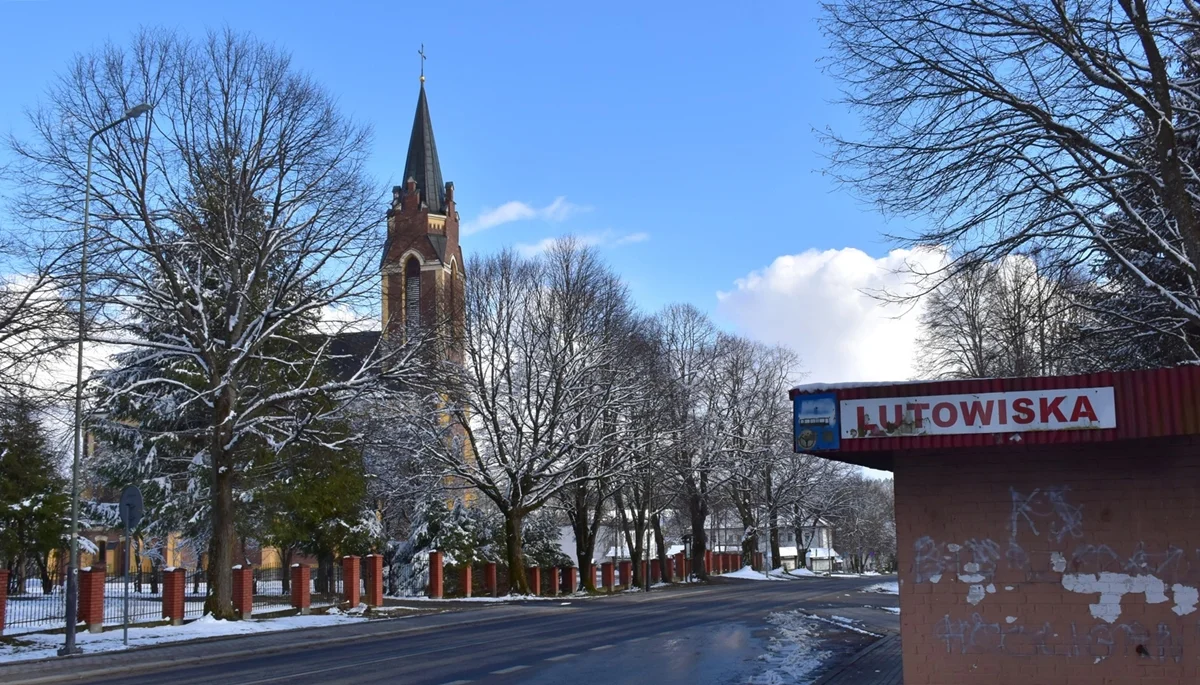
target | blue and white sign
[{"x": 815, "y": 422}]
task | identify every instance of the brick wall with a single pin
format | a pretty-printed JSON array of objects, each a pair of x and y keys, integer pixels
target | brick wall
[{"x": 1071, "y": 564}]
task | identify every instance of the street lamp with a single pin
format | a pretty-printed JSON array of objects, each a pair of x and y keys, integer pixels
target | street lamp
[{"x": 73, "y": 568}]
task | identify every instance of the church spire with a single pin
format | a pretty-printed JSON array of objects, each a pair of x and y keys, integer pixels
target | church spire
[{"x": 422, "y": 163}]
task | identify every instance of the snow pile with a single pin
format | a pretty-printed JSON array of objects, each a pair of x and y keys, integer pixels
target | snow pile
[
  {"x": 747, "y": 573},
  {"x": 803, "y": 572},
  {"x": 794, "y": 653},
  {"x": 889, "y": 588},
  {"x": 44, "y": 645}
]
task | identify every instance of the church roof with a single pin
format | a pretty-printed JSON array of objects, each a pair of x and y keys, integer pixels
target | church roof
[{"x": 422, "y": 163}]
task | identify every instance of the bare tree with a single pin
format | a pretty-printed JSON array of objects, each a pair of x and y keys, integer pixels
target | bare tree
[
  {"x": 1065, "y": 126},
  {"x": 543, "y": 373},
  {"x": 228, "y": 222},
  {"x": 34, "y": 321}
]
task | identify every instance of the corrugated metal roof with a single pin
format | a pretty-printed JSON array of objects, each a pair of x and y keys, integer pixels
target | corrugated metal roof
[{"x": 1149, "y": 404}]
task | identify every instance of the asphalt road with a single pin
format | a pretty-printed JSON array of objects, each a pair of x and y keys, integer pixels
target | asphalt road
[{"x": 706, "y": 634}]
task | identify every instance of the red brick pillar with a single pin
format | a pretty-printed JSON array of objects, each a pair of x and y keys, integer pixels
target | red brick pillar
[
  {"x": 489, "y": 579},
  {"x": 435, "y": 575},
  {"x": 3, "y": 596},
  {"x": 373, "y": 574},
  {"x": 535, "y": 579},
  {"x": 655, "y": 571},
  {"x": 758, "y": 561},
  {"x": 465, "y": 579},
  {"x": 606, "y": 575},
  {"x": 679, "y": 567},
  {"x": 668, "y": 574},
  {"x": 351, "y": 573},
  {"x": 626, "y": 574},
  {"x": 708, "y": 561},
  {"x": 553, "y": 581},
  {"x": 572, "y": 580},
  {"x": 645, "y": 570},
  {"x": 174, "y": 580},
  {"x": 91, "y": 597},
  {"x": 301, "y": 587},
  {"x": 243, "y": 590}
]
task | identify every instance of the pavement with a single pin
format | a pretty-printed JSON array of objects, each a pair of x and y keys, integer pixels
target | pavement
[{"x": 694, "y": 635}]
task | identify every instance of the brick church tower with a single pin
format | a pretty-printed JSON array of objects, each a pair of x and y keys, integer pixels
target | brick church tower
[{"x": 422, "y": 266}]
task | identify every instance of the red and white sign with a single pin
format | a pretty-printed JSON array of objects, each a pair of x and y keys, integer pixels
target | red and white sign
[{"x": 991, "y": 412}]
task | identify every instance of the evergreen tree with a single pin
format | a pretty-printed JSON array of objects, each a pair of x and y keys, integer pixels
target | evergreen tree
[{"x": 33, "y": 499}]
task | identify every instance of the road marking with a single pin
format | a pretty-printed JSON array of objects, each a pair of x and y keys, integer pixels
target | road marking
[
  {"x": 638, "y": 639},
  {"x": 562, "y": 657},
  {"x": 458, "y": 682},
  {"x": 597, "y": 649},
  {"x": 510, "y": 669}
]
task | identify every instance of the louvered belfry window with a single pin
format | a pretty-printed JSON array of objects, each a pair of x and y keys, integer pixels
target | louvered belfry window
[{"x": 412, "y": 295}]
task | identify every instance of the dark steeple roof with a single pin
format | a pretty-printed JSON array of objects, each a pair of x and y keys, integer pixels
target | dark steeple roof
[{"x": 422, "y": 163}]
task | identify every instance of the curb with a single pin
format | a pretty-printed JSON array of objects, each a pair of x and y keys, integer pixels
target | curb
[{"x": 129, "y": 669}]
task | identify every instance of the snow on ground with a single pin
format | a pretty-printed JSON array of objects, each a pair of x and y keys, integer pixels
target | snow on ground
[
  {"x": 794, "y": 653},
  {"x": 42, "y": 645},
  {"x": 889, "y": 588},
  {"x": 803, "y": 572},
  {"x": 843, "y": 622}
]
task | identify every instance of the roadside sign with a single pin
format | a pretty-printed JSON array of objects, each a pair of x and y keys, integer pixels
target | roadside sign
[{"x": 131, "y": 507}]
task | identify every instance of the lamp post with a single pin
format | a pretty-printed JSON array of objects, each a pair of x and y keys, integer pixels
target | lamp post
[{"x": 69, "y": 647}]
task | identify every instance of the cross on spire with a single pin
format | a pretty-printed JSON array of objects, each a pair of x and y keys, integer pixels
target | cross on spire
[{"x": 421, "y": 52}]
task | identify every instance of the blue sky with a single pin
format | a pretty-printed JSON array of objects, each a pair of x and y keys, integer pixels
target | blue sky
[{"x": 682, "y": 136}]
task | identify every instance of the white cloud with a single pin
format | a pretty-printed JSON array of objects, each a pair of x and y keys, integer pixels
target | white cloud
[
  {"x": 559, "y": 210},
  {"x": 606, "y": 238},
  {"x": 818, "y": 304}
]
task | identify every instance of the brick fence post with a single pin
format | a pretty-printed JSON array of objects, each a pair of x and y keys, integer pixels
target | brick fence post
[
  {"x": 466, "y": 576},
  {"x": 655, "y": 571},
  {"x": 243, "y": 590},
  {"x": 174, "y": 580},
  {"x": 606, "y": 575},
  {"x": 572, "y": 580},
  {"x": 351, "y": 573},
  {"x": 301, "y": 589},
  {"x": 668, "y": 574},
  {"x": 758, "y": 561},
  {"x": 435, "y": 575},
  {"x": 708, "y": 561},
  {"x": 3, "y": 596},
  {"x": 553, "y": 581},
  {"x": 489, "y": 579},
  {"x": 535, "y": 579},
  {"x": 373, "y": 573},
  {"x": 679, "y": 566},
  {"x": 626, "y": 574},
  {"x": 91, "y": 597}
]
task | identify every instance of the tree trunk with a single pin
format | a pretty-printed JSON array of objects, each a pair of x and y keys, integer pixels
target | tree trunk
[
  {"x": 698, "y": 511},
  {"x": 660, "y": 544},
  {"x": 773, "y": 522},
  {"x": 285, "y": 556},
  {"x": 584, "y": 527},
  {"x": 220, "y": 566},
  {"x": 517, "y": 582}
]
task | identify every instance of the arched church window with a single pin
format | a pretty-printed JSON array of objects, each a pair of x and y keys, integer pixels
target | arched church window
[{"x": 412, "y": 294}]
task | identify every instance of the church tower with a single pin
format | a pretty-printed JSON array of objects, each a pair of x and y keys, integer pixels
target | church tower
[{"x": 422, "y": 266}]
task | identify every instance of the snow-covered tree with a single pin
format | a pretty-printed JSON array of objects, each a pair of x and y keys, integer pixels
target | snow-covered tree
[{"x": 227, "y": 223}]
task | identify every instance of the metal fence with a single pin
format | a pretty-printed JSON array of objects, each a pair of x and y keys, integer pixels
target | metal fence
[
  {"x": 273, "y": 587},
  {"x": 35, "y": 602}
]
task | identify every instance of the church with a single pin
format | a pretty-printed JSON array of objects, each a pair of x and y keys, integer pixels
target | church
[{"x": 422, "y": 265}]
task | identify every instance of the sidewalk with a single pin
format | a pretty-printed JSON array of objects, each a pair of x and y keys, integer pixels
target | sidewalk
[{"x": 878, "y": 664}]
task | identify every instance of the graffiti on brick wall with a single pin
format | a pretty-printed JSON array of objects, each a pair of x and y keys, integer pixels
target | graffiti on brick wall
[
  {"x": 1097, "y": 641},
  {"x": 1047, "y": 517}
]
